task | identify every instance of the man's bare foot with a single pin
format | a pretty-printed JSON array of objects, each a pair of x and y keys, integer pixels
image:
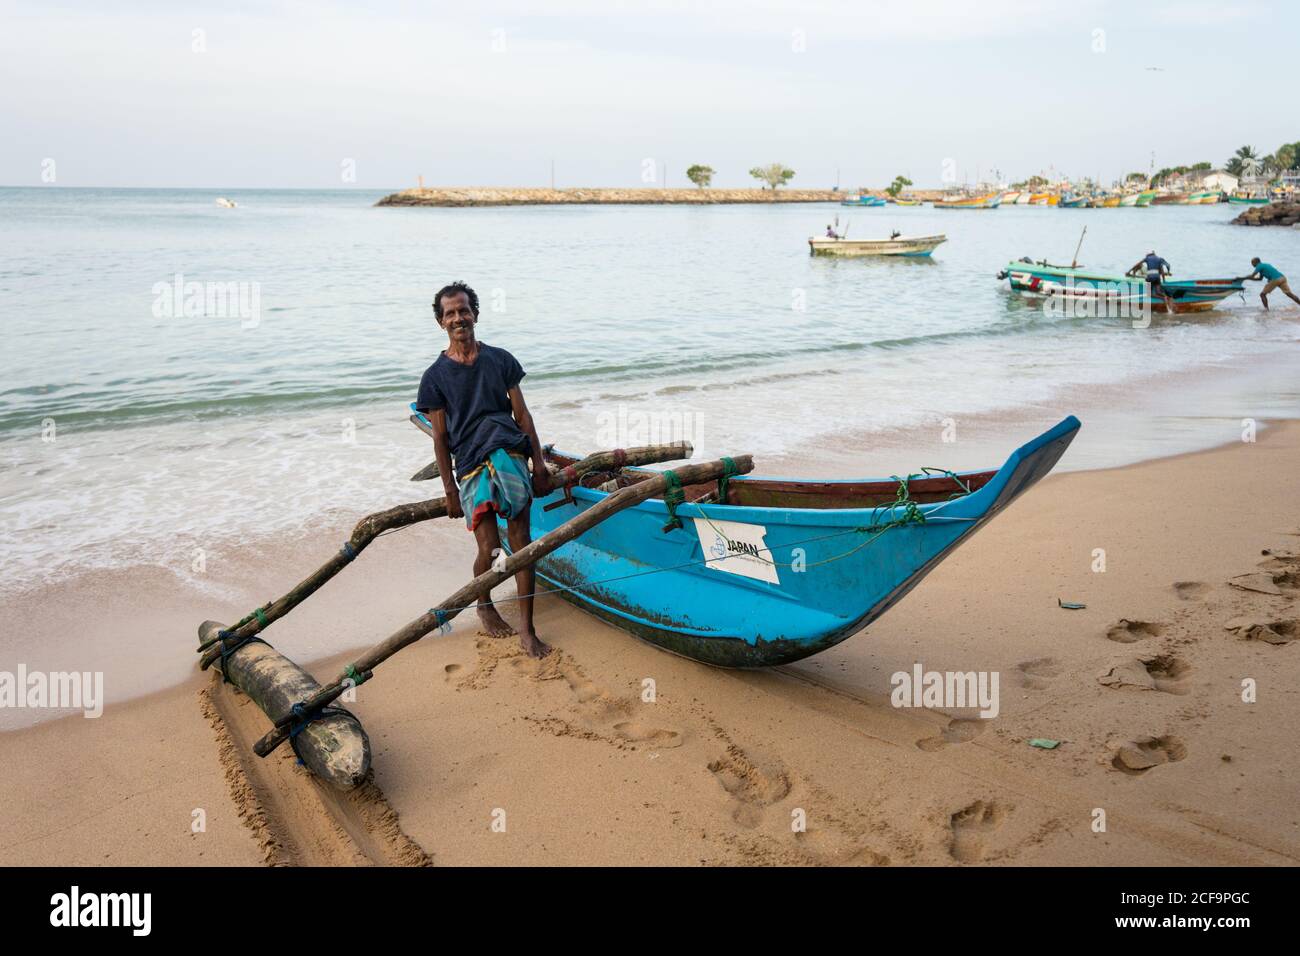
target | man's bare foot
[
  {"x": 494, "y": 625},
  {"x": 532, "y": 646}
]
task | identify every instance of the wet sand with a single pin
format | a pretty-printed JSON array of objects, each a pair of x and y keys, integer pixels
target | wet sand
[{"x": 1143, "y": 689}]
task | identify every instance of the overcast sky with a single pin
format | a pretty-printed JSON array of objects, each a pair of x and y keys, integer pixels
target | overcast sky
[{"x": 275, "y": 94}]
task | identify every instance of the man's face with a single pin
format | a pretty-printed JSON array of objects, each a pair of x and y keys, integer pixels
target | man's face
[{"x": 458, "y": 318}]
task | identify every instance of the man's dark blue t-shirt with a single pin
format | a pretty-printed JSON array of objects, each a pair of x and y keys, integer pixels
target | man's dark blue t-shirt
[
  {"x": 479, "y": 419},
  {"x": 1154, "y": 265}
]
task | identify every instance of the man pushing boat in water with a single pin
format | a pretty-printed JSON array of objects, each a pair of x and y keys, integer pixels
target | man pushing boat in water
[
  {"x": 1156, "y": 268},
  {"x": 1272, "y": 279},
  {"x": 471, "y": 396}
]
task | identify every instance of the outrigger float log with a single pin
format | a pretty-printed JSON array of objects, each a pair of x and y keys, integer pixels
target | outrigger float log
[{"x": 329, "y": 739}]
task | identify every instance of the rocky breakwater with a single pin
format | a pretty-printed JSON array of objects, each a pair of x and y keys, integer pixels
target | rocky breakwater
[
  {"x": 1274, "y": 214},
  {"x": 640, "y": 197}
]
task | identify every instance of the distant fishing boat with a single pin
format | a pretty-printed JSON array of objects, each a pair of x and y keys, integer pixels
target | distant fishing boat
[
  {"x": 863, "y": 200},
  {"x": 1205, "y": 197},
  {"x": 1044, "y": 199},
  {"x": 1075, "y": 202},
  {"x": 1186, "y": 295},
  {"x": 1138, "y": 199},
  {"x": 1108, "y": 202},
  {"x": 1172, "y": 199},
  {"x": 1024, "y": 198},
  {"x": 1011, "y": 197},
  {"x": 895, "y": 246},
  {"x": 906, "y": 202},
  {"x": 227, "y": 203},
  {"x": 1249, "y": 200},
  {"x": 991, "y": 201}
]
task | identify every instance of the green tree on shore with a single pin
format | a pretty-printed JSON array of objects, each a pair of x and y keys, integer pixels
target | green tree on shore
[
  {"x": 775, "y": 174},
  {"x": 1287, "y": 155},
  {"x": 702, "y": 176},
  {"x": 898, "y": 185},
  {"x": 1238, "y": 162}
]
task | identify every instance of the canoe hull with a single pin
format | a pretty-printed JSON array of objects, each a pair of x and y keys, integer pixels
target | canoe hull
[
  {"x": 980, "y": 202},
  {"x": 918, "y": 246},
  {"x": 823, "y": 578}
]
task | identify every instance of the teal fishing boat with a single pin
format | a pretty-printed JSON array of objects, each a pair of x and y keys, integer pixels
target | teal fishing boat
[
  {"x": 1185, "y": 295},
  {"x": 751, "y": 572},
  {"x": 864, "y": 200}
]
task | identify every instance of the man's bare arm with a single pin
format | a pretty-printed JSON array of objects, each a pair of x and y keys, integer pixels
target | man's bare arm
[
  {"x": 441, "y": 451},
  {"x": 524, "y": 419}
]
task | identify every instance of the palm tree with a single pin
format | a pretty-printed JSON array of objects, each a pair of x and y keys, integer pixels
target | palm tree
[{"x": 1238, "y": 161}]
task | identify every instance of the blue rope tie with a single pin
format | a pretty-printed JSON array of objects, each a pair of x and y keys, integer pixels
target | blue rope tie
[
  {"x": 349, "y": 552},
  {"x": 304, "y": 720},
  {"x": 229, "y": 649}
]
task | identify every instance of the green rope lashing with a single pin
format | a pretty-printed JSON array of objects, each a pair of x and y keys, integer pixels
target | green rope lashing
[
  {"x": 956, "y": 479},
  {"x": 357, "y": 677},
  {"x": 728, "y": 469},
  {"x": 903, "y": 499},
  {"x": 257, "y": 614},
  {"x": 673, "y": 496}
]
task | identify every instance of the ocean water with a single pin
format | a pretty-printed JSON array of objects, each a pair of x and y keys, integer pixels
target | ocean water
[{"x": 133, "y": 432}]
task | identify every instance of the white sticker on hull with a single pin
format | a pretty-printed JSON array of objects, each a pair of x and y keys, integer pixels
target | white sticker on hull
[{"x": 736, "y": 549}]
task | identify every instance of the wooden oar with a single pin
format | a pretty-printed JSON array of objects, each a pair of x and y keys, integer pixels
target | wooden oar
[
  {"x": 483, "y": 584},
  {"x": 371, "y": 526}
]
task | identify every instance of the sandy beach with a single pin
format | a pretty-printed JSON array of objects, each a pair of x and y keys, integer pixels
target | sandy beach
[{"x": 1143, "y": 688}]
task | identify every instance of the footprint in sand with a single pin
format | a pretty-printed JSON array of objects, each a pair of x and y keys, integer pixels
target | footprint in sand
[
  {"x": 752, "y": 788},
  {"x": 597, "y": 706},
  {"x": 971, "y": 828},
  {"x": 1164, "y": 672},
  {"x": 635, "y": 732},
  {"x": 957, "y": 732},
  {"x": 1126, "y": 631},
  {"x": 1263, "y": 629},
  {"x": 1288, "y": 580},
  {"x": 1191, "y": 590},
  {"x": 1038, "y": 673},
  {"x": 830, "y": 846},
  {"x": 1139, "y": 755},
  {"x": 450, "y": 672}
]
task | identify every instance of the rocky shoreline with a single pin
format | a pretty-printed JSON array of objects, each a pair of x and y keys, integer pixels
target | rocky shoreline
[
  {"x": 476, "y": 196},
  {"x": 1274, "y": 214}
]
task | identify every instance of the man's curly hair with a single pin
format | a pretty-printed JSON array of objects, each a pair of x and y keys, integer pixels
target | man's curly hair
[{"x": 453, "y": 289}]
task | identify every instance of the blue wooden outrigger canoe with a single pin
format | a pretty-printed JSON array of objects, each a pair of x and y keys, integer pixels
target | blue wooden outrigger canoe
[{"x": 784, "y": 568}]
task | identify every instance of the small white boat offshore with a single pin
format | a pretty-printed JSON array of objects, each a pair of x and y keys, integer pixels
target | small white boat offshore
[
  {"x": 895, "y": 246},
  {"x": 227, "y": 203}
]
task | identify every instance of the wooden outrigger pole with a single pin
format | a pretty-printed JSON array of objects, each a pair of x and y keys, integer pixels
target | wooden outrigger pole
[
  {"x": 363, "y": 667},
  {"x": 370, "y": 527}
]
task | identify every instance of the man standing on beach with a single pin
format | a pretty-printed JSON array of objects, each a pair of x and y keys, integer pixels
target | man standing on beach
[
  {"x": 471, "y": 396},
  {"x": 1272, "y": 278}
]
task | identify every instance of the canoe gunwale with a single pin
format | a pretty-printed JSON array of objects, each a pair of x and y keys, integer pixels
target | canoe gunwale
[{"x": 1022, "y": 469}]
